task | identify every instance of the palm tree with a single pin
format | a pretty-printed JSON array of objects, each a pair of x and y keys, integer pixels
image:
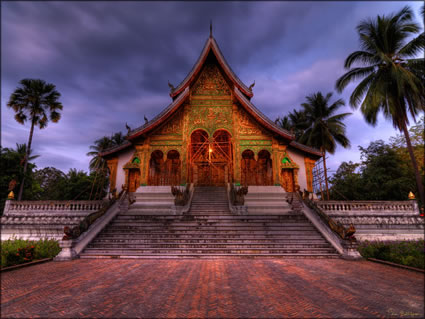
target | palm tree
[
  {"x": 37, "y": 101},
  {"x": 392, "y": 77},
  {"x": 21, "y": 149},
  {"x": 99, "y": 146},
  {"x": 284, "y": 122},
  {"x": 118, "y": 138},
  {"x": 325, "y": 128},
  {"x": 295, "y": 122}
]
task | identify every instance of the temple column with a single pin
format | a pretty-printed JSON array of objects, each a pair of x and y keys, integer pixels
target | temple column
[
  {"x": 112, "y": 166},
  {"x": 309, "y": 165},
  {"x": 275, "y": 163},
  {"x": 142, "y": 152}
]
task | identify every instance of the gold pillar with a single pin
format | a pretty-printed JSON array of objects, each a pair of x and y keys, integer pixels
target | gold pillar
[
  {"x": 142, "y": 152},
  {"x": 112, "y": 166},
  {"x": 309, "y": 164}
]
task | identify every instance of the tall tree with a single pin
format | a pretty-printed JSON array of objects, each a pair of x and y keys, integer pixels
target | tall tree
[
  {"x": 325, "y": 128},
  {"x": 21, "y": 149},
  {"x": 295, "y": 122},
  {"x": 101, "y": 145},
  {"x": 36, "y": 101},
  {"x": 392, "y": 76}
]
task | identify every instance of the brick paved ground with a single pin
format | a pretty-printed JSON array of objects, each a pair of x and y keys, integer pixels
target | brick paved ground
[{"x": 212, "y": 288}]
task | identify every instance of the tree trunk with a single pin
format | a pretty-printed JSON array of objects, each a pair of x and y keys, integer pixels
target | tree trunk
[
  {"x": 326, "y": 174},
  {"x": 415, "y": 165},
  {"x": 27, "y": 155}
]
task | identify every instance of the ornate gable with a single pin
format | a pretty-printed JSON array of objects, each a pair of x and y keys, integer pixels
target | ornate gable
[
  {"x": 174, "y": 126},
  {"x": 211, "y": 102},
  {"x": 211, "y": 82}
]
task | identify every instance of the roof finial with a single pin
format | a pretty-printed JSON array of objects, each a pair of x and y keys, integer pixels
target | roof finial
[{"x": 210, "y": 28}]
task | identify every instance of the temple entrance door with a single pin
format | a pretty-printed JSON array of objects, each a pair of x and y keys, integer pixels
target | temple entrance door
[
  {"x": 287, "y": 177},
  {"x": 210, "y": 158},
  {"x": 133, "y": 180}
]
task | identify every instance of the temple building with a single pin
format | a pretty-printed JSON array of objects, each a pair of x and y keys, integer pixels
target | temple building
[{"x": 211, "y": 134}]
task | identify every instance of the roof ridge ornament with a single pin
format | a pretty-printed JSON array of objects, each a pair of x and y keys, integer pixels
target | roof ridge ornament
[
  {"x": 211, "y": 29},
  {"x": 251, "y": 86},
  {"x": 171, "y": 86}
]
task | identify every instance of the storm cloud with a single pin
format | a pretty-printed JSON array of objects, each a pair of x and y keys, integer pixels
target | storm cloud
[{"x": 112, "y": 61}]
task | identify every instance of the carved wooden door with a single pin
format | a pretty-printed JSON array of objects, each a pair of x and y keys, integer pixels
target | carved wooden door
[
  {"x": 210, "y": 158},
  {"x": 287, "y": 177},
  {"x": 133, "y": 180}
]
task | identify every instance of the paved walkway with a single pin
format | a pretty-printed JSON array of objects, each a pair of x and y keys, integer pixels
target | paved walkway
[{"x": 212, "y": 288}]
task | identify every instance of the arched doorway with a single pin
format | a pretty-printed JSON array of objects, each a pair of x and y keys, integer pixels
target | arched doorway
[
  {"x": 210, "y": 158},
  {"x": 133, "y": 179},
  {"x": 172, "y": 168},
  {"x": 264, "y": 168},
  {"x": 287, "y": 179},
  {"x": 156, "y": 168},
  {"x": 248, "y": 168}
]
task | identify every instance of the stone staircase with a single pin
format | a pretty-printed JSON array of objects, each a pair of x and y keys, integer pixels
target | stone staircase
[{"x": 209, "y": 230}]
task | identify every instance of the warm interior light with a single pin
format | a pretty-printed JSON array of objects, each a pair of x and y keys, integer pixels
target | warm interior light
[{"x": 210, "y": 150}]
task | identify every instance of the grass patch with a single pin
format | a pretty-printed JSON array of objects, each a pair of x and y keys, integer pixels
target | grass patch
[
  {"x": 408, "y": 253},
  {"x": 20, "y": 251}
]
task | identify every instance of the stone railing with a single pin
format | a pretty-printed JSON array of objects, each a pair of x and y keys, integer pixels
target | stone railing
[
  {"x": 43, "y": 219},
  {"x": 77, "y": 239},
  {"x": 378, "y": 220},
  {"x": 341, "y": 237},
  {"x": 12, "y": 206},
  {"x": 369, "y": 206}
]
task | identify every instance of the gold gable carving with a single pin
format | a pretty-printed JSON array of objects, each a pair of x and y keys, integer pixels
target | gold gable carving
[
  {"x": 211, "y": 82},
  {"x": 248, "y": 126},
  {"x": 174, "y": 126}
]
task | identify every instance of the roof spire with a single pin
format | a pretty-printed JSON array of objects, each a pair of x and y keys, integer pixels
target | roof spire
[{"x": 210, "y": 28}]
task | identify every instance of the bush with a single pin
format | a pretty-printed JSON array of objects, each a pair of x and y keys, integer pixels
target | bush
[
  {"x": 19, "y": 251},
  {"x": 408, "y": 253}
]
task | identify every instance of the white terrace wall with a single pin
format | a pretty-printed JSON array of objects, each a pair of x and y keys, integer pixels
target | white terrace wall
[
  {"x": 123, "y": 158},
  {"x": 298, "y": 157},
  {"x": 378, "y": 220},
  {"x": 43, "y": 219}
]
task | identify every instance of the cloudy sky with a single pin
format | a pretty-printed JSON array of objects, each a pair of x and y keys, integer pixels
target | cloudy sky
[{"x": 111, "y": 62}]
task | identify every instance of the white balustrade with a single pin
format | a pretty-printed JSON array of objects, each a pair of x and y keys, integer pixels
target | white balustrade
[
  {"x": 367, "y": 206},
  {"x": 45, "y": 206}
]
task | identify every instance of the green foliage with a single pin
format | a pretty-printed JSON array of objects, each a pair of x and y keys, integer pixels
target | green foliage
[
  {"x": 382, "y": 175},
  {"x": 100, "y": 145},
  {"x": 390, "y": 65},
  {"x": 79, "y": 185},
  {"x": 11, "y": 168},
  {"x": 49, "y": 179},
  {"x": 408, "y": 253},
  {"x": 324, "y": 128},
  {"x": 19, "y": 251}
]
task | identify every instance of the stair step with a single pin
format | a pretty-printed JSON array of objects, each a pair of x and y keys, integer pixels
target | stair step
[
  {"x": 209, "y": 256},
  {"x": 152, "y": 250},
  {"x": 209, "y": 230},
  {"x": 103, "y": 245}
]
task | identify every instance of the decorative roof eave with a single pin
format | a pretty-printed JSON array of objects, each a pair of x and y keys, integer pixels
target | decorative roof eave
[
  {"x": 211, "y": 44},
  {"x": 259, "y": 116},
  {"x": 115, "y": 149},
  {"x": 155, "y": 122},
  {"x": 305, "y": 148},
  {"x": 264, "y": 120},
  {"x": 160, "y": 118}
]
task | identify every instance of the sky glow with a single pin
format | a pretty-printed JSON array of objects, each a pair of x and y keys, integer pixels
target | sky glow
[{"x": 111, "y": 61}]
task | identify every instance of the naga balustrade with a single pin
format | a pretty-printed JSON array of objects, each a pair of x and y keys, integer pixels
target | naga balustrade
[{"x": 338, "y": 228}]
